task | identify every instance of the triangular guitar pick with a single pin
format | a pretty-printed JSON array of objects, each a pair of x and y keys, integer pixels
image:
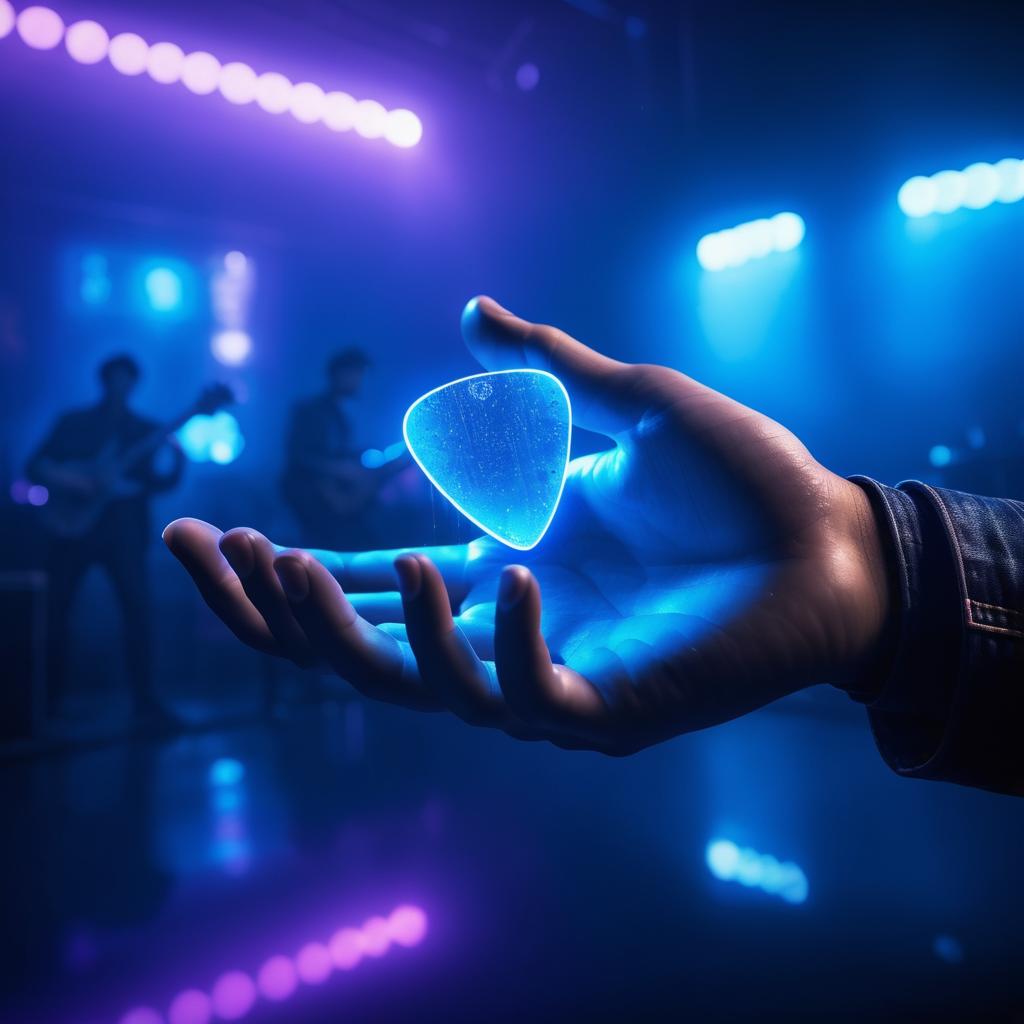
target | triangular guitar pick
[{"x": 496, "y": 445}]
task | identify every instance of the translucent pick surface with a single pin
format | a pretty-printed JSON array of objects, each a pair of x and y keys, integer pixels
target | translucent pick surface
[{"x": 496, "y": 445}]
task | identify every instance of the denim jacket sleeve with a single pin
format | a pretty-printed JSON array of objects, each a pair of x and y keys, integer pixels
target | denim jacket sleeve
[{"x": 948, "y": 701}]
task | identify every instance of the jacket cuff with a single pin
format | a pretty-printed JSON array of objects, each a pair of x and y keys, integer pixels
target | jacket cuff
[{"x": 910, "y": 697}]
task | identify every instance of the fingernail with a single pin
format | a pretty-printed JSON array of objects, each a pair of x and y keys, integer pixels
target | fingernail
[
  {"x": 512, "y": 585},
  {"x": 239, "y": 554},
  {"x": 294, "y": 578},
  {"x": 410, "y": 575}
]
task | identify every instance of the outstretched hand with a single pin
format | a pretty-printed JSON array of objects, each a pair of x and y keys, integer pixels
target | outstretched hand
[{"x": 702, "y": 567}]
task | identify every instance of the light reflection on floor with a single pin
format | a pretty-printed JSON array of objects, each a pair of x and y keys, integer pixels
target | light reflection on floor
[{"x": 247, "y": 871}]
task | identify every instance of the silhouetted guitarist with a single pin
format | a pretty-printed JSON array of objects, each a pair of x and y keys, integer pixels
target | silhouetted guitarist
[
  {"x": 324, "y": 482},
  {"x": 98, "y": 465}
]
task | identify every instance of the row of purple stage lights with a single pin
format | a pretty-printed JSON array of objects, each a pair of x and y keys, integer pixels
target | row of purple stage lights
[
  {"x": 88, "y": 42},
  {"x": 235, "y": 993}
]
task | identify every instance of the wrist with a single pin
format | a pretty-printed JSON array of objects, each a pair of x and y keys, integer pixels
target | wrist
[{"x": 872, "y": 609}]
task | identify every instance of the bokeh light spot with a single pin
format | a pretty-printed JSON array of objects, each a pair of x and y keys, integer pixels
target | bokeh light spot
[
  {"x": 346, "y": 948},
  {"x": 128, "y": 53},
  {"x": 164, "y": 289},
  {"x": 376, "y": 936},
  {"x": 950, "y": 187},
  {"x": 141, "y": 1015},
  {"x": 7, "y": 18},
  {"x": 87, "y": 42},
  {"x": 981, "y": 186},
  {"x": 231, "y": 347},
  {"x": 917, "y": 196},
  {"x": 233, "y": 995},
  {"x": 40, "y": 28},
  {"x": 273, "y": 92},
  {"x": 527, "y": 77},
  {"x": 277, "y": 979},
  {"x": 307, "y": 102},
  {"x": 200, "y": 73},
  {"x": 190, "y": 1007},
  {"x": 313, "y": 963},
  {"x": 237, "y": 83},
  {"x": 37, "y": 495},
  {"x": 217, "y": 438},
  {"x": 407, "y": 925},
  {"x": 226, "y": 771},
  {"x": 164, "y": 62},
  {"x": 339, "y": 111},
  {"x": 371, "y": 120},
  {"x": 403, "y": 129}
]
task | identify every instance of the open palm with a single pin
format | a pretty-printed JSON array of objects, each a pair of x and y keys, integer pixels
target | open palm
[{"x": 702, "y": 566}]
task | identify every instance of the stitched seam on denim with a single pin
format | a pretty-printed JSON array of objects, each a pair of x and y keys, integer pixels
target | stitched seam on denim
[{"x": 1011, "y": 613}]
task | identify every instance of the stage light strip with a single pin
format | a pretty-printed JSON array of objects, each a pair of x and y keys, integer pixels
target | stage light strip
[
  {"x": 973, "y": 188},
  {"x": 750, "y": 241},
  {"x": 88, "y": 42},
  {"x": 235, "y": 993},
  {"x": 731, "y": 863}
]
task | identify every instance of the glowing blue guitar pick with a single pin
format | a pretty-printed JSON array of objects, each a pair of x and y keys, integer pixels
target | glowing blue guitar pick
[{"x": 496, "y": 445}]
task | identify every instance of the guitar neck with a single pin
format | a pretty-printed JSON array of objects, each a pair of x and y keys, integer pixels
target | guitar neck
[{"x": 150, "y": 442}]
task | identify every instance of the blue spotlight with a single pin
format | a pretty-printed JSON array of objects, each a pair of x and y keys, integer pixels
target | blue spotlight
[
  {"x": 981, "y": 186},
  {"x": 226, "y": 771},
  {"x": 723, "y": 858},
  {"x": 731, "y": 863},
  {"x": 1010, "y": 172},
  {"x": 750, "y": 241},
  {"x": 918, "y": 196},
  {"x": 164, "y": 289},
  {"x": 951, "y": 187},
  {"x": 216, "y": 438},
  {"x": 975, "y": 187},
  {"x": 940, "y": 455}
]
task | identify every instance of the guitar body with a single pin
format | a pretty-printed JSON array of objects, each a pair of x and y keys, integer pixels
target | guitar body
[
  {"x": 346, "y": 493},
  {"x": 69, "y": 515},
  {"x": 72, "y": 512}
]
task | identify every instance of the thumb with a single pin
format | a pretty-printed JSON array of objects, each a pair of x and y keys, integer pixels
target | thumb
[{"x": 603, "y": 391}]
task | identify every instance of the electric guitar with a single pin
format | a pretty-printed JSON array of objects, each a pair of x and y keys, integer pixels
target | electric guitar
[
  {"x": 73, "y": 511},
  {"x": 345, "y": 488}
]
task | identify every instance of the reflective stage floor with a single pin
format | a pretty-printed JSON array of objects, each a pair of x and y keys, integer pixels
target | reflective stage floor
[{"x": 204, "y": 876}]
